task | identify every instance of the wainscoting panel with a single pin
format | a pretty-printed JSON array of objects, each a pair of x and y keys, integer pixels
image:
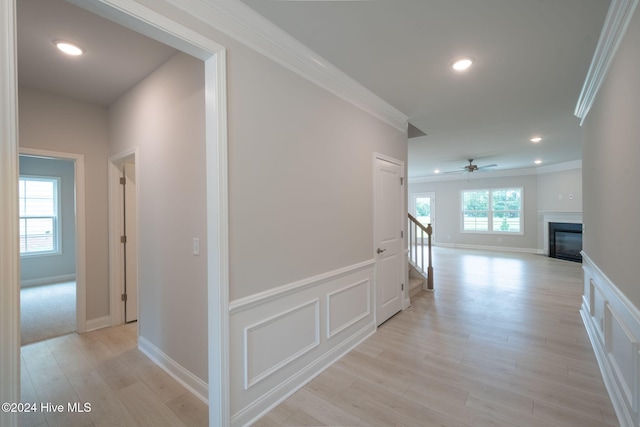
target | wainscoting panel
[
  {"x": 301, "y": 326},
  {"x": 613, "y": 324},
  {"x": 347, "y": 306},
  {"x": 283, "y": 338}
]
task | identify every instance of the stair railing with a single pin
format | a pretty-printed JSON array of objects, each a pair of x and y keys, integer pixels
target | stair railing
[{"x": 417, "y": 248}]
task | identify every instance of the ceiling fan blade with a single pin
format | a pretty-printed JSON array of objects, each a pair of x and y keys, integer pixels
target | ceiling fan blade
[
  {"x": 487, "y": 166},
  {"x": 454, "y": 172}
]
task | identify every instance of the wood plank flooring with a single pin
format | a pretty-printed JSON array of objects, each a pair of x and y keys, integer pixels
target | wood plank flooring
[
  {"x": 105, "y": 369},
  {"x": 499, "y": 343}
]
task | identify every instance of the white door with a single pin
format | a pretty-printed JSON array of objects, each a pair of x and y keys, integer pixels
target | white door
[
  {"x": 388, "y": 239},
  {"x": 130, "y": 245}
]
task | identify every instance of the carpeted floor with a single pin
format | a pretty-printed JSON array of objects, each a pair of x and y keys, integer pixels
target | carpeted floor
[{"x": 47, "y": 311}]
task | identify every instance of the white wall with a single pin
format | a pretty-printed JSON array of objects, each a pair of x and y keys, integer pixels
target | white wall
[
  {"x": 55, "y": 123},
  {"x": 447, "y": 227},
  {"x": 49, "y": 268},
  {"x": 611, "y": 303},
  {"x": 556, "y": 191},
  {"x": 300, "y": 174},
  {"x": 611, "y": 153},
  {"x": 560, "y": 191},
  {"x": 163, "y": 117}
]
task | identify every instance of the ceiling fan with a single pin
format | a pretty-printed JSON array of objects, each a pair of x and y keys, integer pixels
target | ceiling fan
[{"x": 472, "y": 168}]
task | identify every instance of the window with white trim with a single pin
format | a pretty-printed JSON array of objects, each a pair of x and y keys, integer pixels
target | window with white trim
[
  {"x": 492, "y": 211},
  {"x": 39, "y": 213}
]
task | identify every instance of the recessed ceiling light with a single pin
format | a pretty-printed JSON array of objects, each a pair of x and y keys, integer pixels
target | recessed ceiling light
[
  {"x": 462, "y": 64},
  {"x": 436, "y": 171},
  {"x": 537, "y": 162},
  {"x": 536, "y": 139},
  {"x": 69, "y": 48}
]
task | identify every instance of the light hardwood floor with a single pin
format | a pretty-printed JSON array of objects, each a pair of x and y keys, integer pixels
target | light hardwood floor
[
  {"x": 499, "y": 343},
  {"x": 105, "y": 369}
]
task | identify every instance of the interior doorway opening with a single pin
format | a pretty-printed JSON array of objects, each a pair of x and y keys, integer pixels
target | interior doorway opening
[
  {"x": 47, "y": 248},
  {"x": 423, "y": 208},
  {"x": 123, "y": 209}
]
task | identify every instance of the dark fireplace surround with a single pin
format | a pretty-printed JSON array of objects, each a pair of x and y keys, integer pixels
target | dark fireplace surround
[{"x": 565, "y": 241}]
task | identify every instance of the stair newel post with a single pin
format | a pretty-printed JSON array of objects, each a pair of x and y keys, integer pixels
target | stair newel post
[{"x": 430, "y": 267}]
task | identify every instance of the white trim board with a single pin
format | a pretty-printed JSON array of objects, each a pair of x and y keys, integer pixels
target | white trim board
[
  {"x": 9, "y": 248},
  {"x": 491, "y": 248},
  {"x": 116, "y": 272},
  {"x": 613, "y": 326},
  {"x": 190, "y": 381},
  {"x": 615, "y": 26},
  {"x": 540, "y": 170},
  {"x": 250, "y": 28}
]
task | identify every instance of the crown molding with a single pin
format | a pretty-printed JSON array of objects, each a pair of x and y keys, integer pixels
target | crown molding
[
  {"x": 613, "y": 30},
  {"x": 540, "y": 170},
  {"x": 559, "y": 167},
  {"x": 476, "y": 175},
  {"x": 242, "y": 23}
]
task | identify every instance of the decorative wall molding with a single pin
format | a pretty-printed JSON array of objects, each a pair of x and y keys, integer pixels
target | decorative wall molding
[
  {"x": 347, "y": 306},
  {"x": 190, "y": 381},
  {"x": 301, "y": 324},
  {"x": 284, "y": 338},
  {"x": 242, "y": 23},
  {"x": 541, "y": 170},
  {"x": 282, "y": 291},
  {"x": 491, "y": 248},
  {"x": 615, "y": 26},
  {"x": 613, "y": 325}
]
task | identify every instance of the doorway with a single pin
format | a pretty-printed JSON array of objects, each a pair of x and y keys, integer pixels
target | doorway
[
  {"x": 75, "y": 220},
  {"x": 47, "y": 248},
  {"x": 163, "y": 28},
  {"x": 123, "y": 237},
  {"x": 423, "y": 208},
  {"x": 389, "y": 236}
]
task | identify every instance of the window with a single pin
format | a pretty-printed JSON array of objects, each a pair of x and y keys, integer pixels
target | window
[
  {"x": 38, "y": 215},
  {"x": 492, "y": 211}
]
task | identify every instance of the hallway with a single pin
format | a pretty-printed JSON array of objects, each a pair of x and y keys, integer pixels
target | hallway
[{"x": 499, "y": 342}]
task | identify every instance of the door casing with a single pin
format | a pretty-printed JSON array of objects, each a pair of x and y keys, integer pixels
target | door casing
[{"x": 116, "y": 261}]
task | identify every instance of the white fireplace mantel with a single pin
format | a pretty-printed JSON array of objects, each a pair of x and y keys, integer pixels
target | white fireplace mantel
[{"x": 545, "y": 217}]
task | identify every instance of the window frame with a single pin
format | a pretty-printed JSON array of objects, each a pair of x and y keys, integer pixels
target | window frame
[
  {"x": 56, "y": 220},
  {"x": 491, "y": 211}
]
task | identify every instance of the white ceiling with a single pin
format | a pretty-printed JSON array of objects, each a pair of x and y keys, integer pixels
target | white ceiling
[{"x": 531, "y": 59}]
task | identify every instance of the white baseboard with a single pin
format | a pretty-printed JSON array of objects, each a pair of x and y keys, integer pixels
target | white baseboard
[
  {"x": 191, "y": 382},
  {"x": 613, "y": 326},
  {"x": 492, "y": 248},
  {"x": 282, "y": 339},
  {"x": 99, "y": 323},
  {"x": 48, "y": 280}
]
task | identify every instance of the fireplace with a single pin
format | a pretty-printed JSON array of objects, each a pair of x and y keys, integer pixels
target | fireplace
[{"x": 565, "y": 241}]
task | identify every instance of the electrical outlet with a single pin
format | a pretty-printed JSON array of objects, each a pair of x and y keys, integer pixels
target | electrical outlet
[{"x": 196, "y": 246}]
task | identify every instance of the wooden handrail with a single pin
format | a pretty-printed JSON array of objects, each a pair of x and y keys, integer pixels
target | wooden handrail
[
  {"x": 418, "y": 223},
  {"x": 429, "y": 230}
]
